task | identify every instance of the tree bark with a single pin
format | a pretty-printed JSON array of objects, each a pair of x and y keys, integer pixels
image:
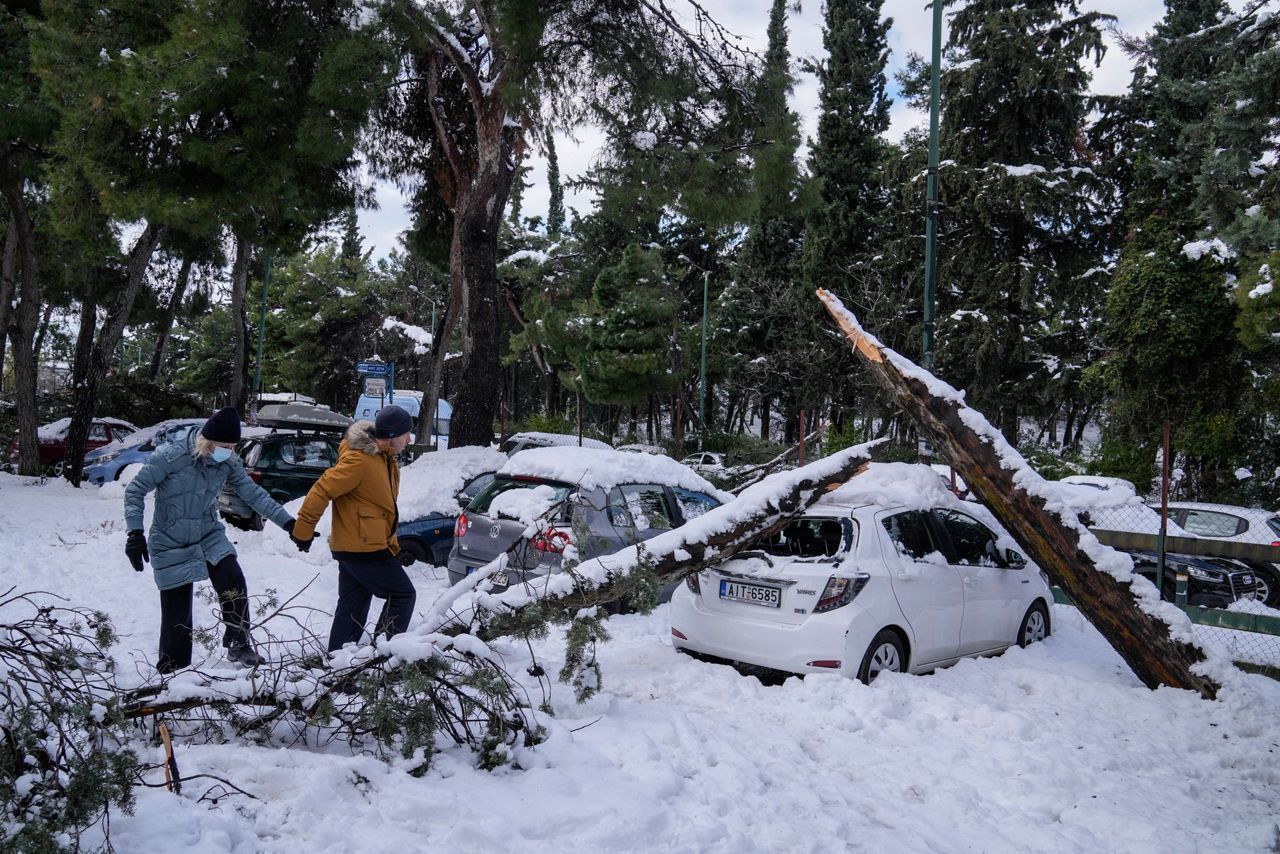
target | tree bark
[
  {"x": 239, "y": 391},
  {"x": 86, "y": 395},
  {"x": 170, "y": 314},
  {"x": 1056, "y": 543},
  {"x": 8, "y": 285},
  {"x": 26, "y": 317},
  {"x": 83, "y": 355}
]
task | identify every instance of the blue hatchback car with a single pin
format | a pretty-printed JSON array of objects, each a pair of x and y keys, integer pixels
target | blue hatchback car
[
  {"x": 430, "y": 538},
  {"x": 103, "y": 465}
]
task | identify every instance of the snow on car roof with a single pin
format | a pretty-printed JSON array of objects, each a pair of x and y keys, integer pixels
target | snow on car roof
[
  {"x": 58, "y": 429},
  {"x": 561, "y": 439},
  {"x": 893, "y": 485},
  {"x": 431, "y": 483},
  {"x": 1112, "y": 505},
  {"x": 592, "y": 467},
  {"x": 145, "y": 434}
]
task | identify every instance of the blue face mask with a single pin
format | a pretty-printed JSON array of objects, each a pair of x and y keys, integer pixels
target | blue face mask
[{"x": 221, "y": 455}]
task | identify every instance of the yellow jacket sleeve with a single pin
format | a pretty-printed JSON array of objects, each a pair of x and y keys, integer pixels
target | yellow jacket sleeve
[{"x": 339, "y": 480}]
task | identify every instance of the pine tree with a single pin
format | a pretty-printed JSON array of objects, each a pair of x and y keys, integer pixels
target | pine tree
[
  {"x": 1168, "y": 291},
  {"x": 628, "y": 329},
  {"x": 1019, "y": 230}
]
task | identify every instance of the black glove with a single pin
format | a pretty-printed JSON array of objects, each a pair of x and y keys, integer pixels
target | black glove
[
  {"x": 135, "y": 547},
  {"x": 303, "y": 545}
]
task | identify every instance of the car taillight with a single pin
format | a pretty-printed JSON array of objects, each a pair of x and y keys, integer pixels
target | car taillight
[
  {"x": 553, "y": 541},
  {"x": 460, "y": 527},
  {"x": 840, "y": 591},
  {"x": 255, "y": 475},
  {"x": 691, "y": 581}
]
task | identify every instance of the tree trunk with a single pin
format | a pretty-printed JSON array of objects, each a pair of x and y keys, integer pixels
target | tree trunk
[
  {"x": 88, "y": 328},
  {"x": 26, "y": 318},
  {"x": 86, "y": 395},
  {"x": 435, "y": 364},
  {"x": 170, "y": 314},
  {"x": 8, "y": 285},
  {"x": 1015, "y": 494},
  {"x": 764, "y": 417},
  {"x": 239, "y": 391}
]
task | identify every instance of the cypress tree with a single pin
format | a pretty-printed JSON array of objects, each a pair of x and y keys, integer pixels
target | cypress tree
[{"x": 555, "y": 206}]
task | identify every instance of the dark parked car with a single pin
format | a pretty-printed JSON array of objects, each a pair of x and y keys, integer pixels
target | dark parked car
[
  {"x": 286, "y": 462},
  {"x": 430, "y": 538},
  {"x": 1211, "y": 582},
  {"x": 53, "y": 441}
]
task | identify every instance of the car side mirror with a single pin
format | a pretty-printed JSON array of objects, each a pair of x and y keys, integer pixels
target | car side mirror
[
  {"x": 1013, "y": 559},
  {"x": 464, "y": 501}
]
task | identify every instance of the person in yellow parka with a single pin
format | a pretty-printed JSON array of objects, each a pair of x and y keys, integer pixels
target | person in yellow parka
[{"x": 363, "y": 487}]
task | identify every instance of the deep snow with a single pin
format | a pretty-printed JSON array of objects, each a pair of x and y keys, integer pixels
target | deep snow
[{"x": 1053, "y": 748}]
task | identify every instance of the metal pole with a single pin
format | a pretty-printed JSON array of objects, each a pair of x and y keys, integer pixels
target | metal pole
[
  {"x": 1164, "y": 508},
  {"x": 262, "y": 329},
  {"x": 702, "y": 380},
  {"x": 931, "y": 210}
]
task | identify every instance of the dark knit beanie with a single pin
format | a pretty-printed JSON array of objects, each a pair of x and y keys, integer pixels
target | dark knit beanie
[
  {"x": 392, "y": 421},
  {"x": 222, "y": 426}
]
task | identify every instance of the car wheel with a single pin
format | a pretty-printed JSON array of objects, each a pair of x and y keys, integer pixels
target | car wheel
[
  {"x": 411, "y": 551},
  {"x": 1035, "y": 625},
  {"x": 256, "y": 522},
  {"x": 885, "y": 653},
  {"x": 1268, "y": 589},
  {"x": 59, "y": 468}
]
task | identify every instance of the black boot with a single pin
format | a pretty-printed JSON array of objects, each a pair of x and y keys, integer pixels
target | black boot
[{"x": 243, "y": 653}]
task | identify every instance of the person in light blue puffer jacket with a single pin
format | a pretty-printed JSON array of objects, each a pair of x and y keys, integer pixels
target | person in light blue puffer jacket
[{"x": 190, "y": 542}]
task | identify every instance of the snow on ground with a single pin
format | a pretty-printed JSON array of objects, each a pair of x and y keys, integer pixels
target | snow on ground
[{"x": 1057, "y": 748}]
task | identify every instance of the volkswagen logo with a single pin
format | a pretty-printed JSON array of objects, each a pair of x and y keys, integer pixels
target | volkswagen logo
[{"x": 493, "y": 532}]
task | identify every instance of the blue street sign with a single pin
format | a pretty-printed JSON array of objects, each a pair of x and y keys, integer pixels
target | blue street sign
[{"x": 373, "y": 369}]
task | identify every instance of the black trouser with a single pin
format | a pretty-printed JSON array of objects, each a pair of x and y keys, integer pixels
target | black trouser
[
  {"x": 175, "y": 614},
  {"x": 359, "y": 580}
]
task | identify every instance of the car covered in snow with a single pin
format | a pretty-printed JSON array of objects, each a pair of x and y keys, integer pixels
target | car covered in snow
[
  {"x": 104, "y": 465},
  {"x": 527, "y": 439},
  {"x": 889, "y": 572},
  {"x": 545, "y": 501},
  {"x": 52, "y": 440},
  {"x": 434, "y": 490}
]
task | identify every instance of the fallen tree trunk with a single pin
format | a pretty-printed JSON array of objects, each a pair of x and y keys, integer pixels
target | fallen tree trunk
[{"x": 1153, "y": 637}]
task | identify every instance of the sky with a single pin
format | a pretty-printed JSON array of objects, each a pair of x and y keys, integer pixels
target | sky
[{"x": 910, "y": 32}]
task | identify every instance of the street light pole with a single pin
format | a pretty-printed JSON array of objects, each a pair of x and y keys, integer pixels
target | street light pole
[
  {"x": 702, "y": 379},
  {"x": 931, "y": 210}
]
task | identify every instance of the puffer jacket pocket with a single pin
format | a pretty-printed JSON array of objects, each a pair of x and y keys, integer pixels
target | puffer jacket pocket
[{"x": 373, "y": 526}]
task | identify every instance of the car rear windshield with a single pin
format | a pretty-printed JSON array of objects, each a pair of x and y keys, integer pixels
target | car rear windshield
[
  {"x": 480, "y": 504},
  {"x": 812, "y": 537}
]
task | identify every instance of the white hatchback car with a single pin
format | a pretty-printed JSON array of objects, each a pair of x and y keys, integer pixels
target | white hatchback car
[{"x": 862, "y": 584}]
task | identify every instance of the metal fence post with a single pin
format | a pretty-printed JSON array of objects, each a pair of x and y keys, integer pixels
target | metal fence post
[{"x": 1164, "y": 509}]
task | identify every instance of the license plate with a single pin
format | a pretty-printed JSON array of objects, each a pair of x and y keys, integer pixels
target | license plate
[{"x": 752, "y": 594}]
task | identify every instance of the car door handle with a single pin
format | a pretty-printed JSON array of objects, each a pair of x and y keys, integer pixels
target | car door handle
[{"x": 969, "y": 579}]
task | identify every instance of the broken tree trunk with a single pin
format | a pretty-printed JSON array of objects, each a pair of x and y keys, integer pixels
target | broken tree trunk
[{"x": 1125, "y": 610}]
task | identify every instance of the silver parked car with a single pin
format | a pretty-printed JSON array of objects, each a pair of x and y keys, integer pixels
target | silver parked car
[{"x": 597, "y": 501}]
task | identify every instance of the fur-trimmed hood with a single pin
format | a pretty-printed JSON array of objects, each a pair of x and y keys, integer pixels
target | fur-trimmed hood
[{"x": 360, "y": 437}]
